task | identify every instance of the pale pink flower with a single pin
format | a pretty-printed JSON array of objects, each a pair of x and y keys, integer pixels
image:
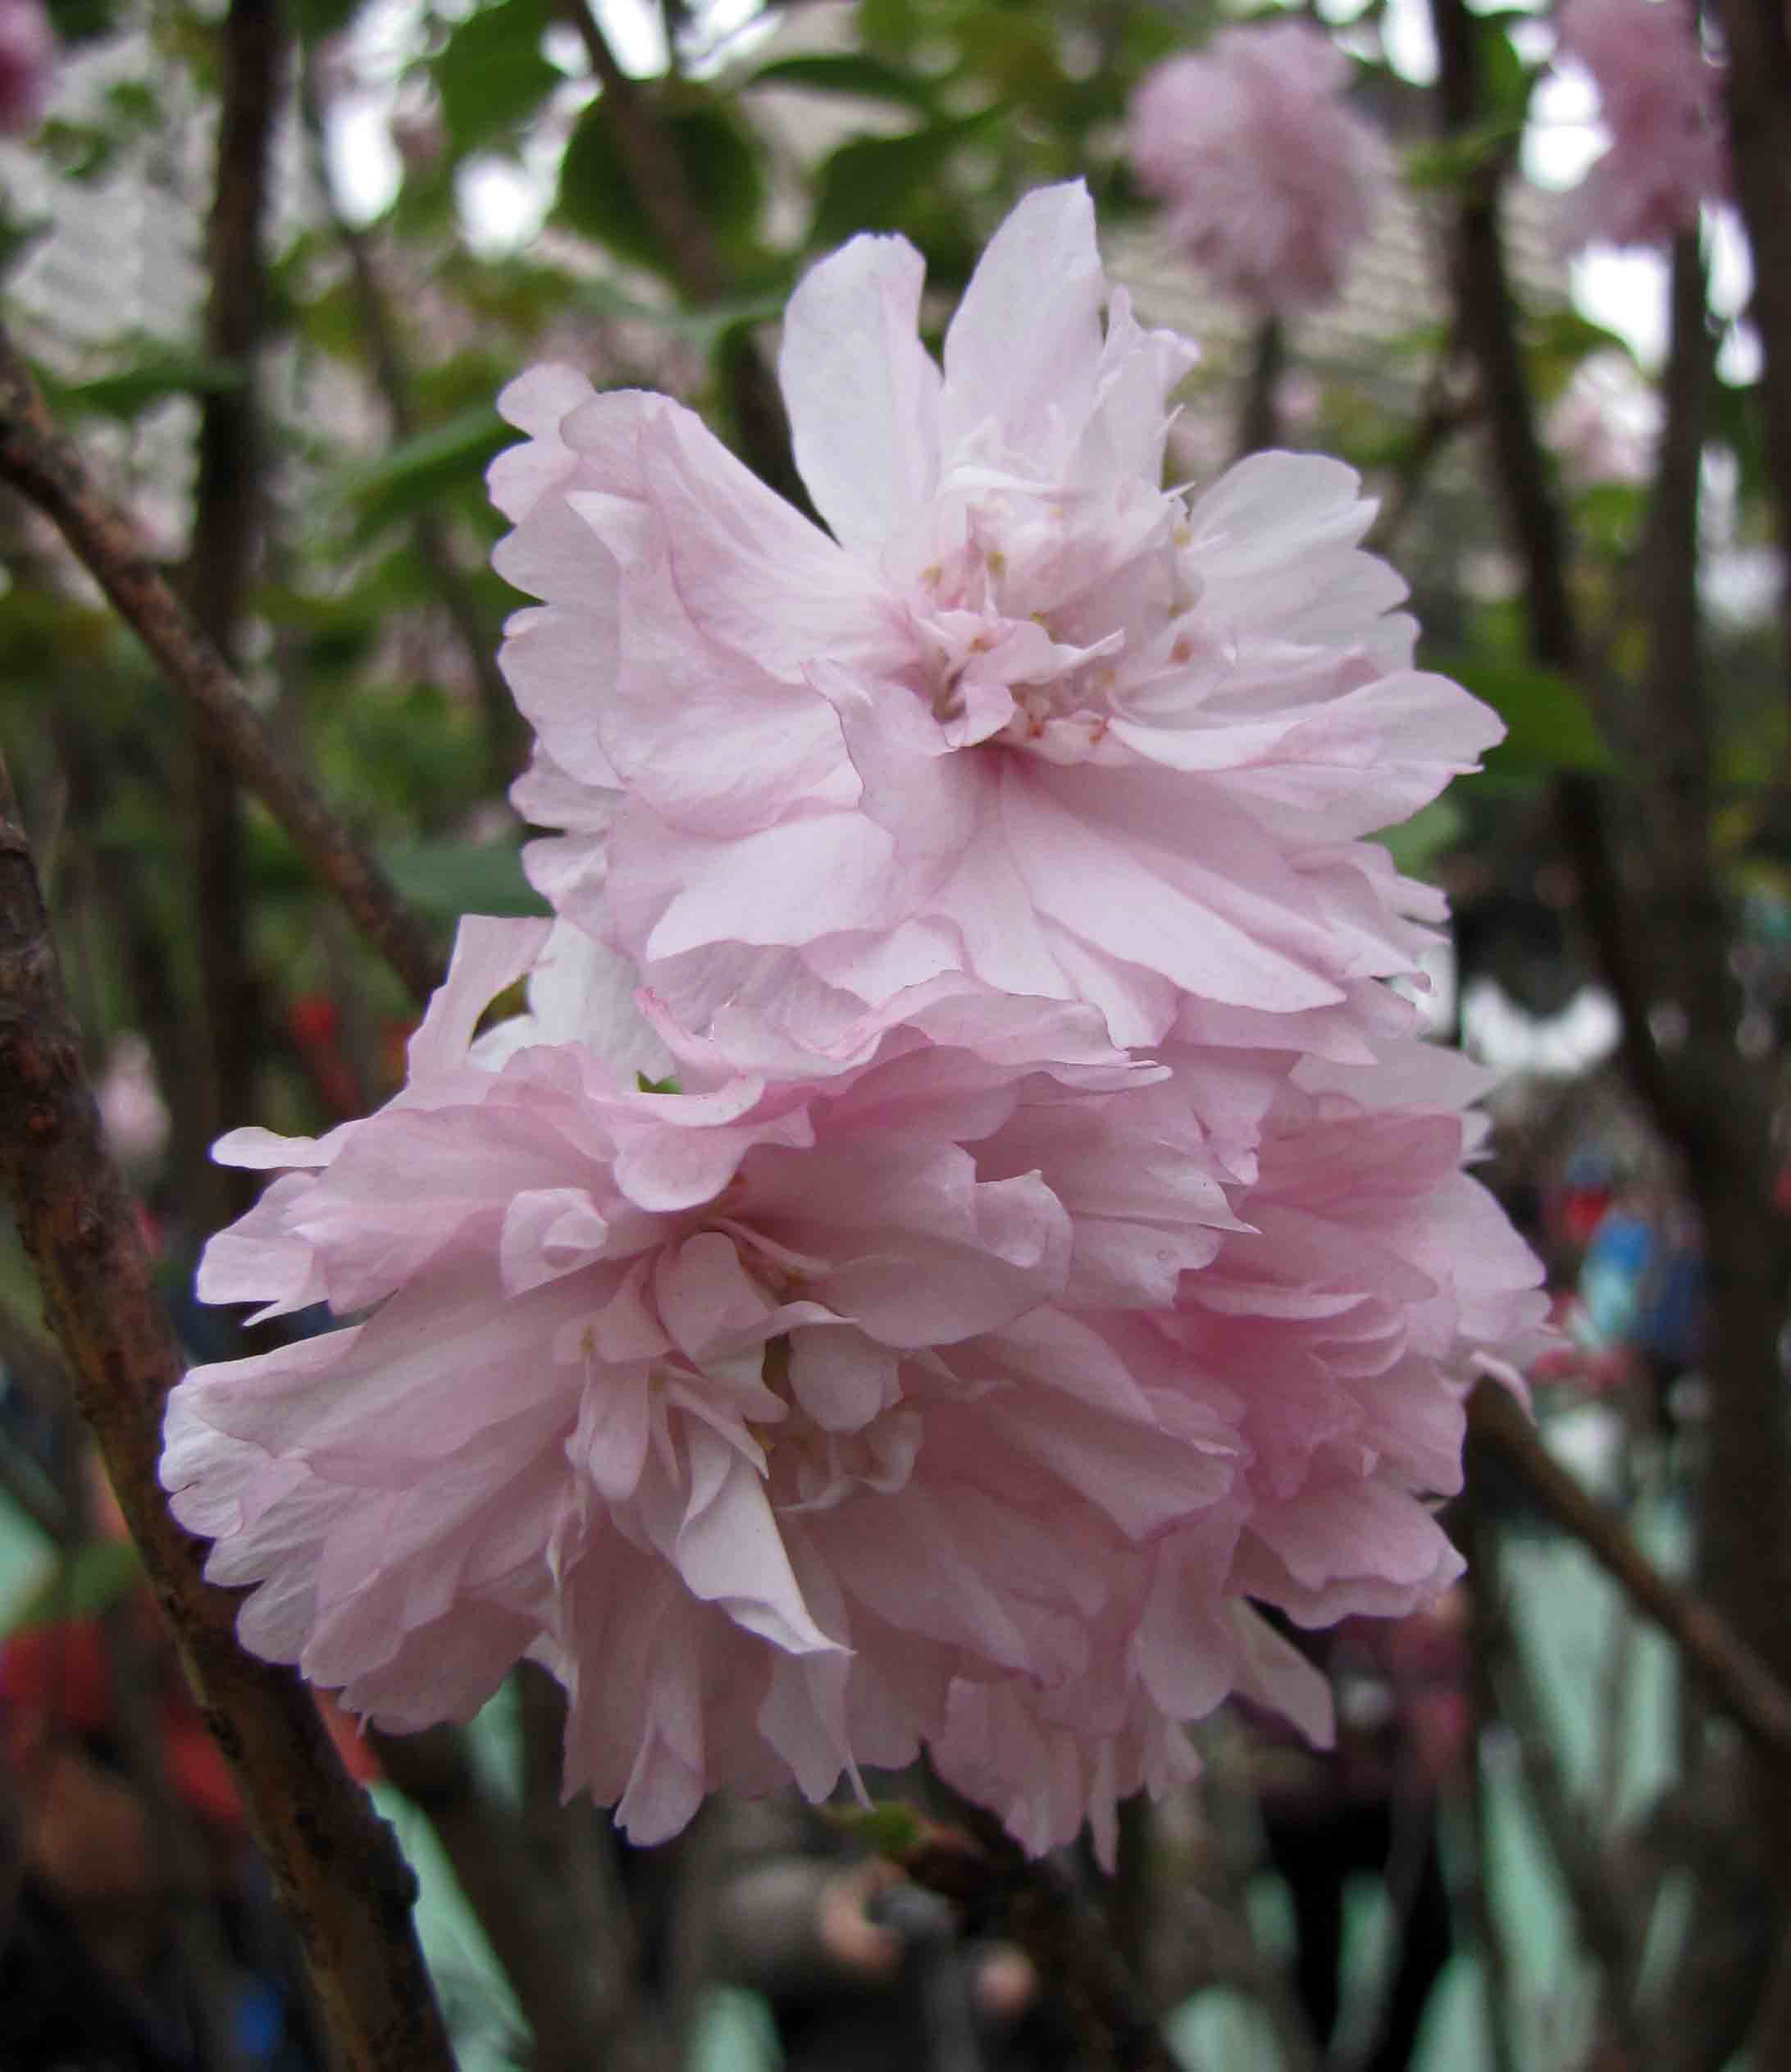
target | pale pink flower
[
  {"x": 1333, "y": 1340},
  {"x": 759, "y": 1411},
  {"x": 1024, "y": 719},
  {"x": 1270, "y": 182},
  {"x": 1661, "y": 99},
  {"x": 1603, "y": 427},
  {"x": 132, "y": 1111},
  {"x": 27, "y": 65}
]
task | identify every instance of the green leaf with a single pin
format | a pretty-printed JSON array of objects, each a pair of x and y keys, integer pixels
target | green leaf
[
  {"x": 130, "y": 390},
  {"x": 1506, "y": 82},
  {"x": 89, "y": 1581},
  {"x": 705, "y": 328},
  {"x": 1558, "y": 342},
  {"x": 446, "y": 879},
  {"x": 77, "y": 22},
  {"x": 1734, "y": 413},
  {"x": 722, "y": 168},
  {"x": 850, "y": 72},
  {"x": 890, "y": 1826},
  {"x": 317, "y": 21},
  {"x": 1549, "y": 726},
  {"x": 422, "y": 470},
  {"x": 669, "y": 1084},
  {"x": 491, "y": 73},
  {"x": 1453, "y": 162},
  {"x": 1416, "y": 843},
  {"x": 866, "y": 185}
]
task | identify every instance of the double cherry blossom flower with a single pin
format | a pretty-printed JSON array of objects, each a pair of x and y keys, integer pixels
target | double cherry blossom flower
[
  {"x": 1057, "y": 1243},
  {"x": 1023, "y": 716}
]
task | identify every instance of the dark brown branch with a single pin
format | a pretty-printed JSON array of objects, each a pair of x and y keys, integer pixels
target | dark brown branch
[
  {"x": 1480, "y": 1539},
  {"x": 1537, "y": 537},
  {"x": 1602, "y": 1927},
  {"x": 656, "y": 174},
  {"x": 1259, "y": 424},
  {"x": 1445, "y": 415},
  {"x": 1733, "y": 1673},
  {"x": 528, "y": 1922},
  {"x": 1001, "y": 1891},
  {"x": 346, "y": 1890},
  {"x": 230, "y": 519},
  {"x": 1676, "y": 708},
  {"x": 44, "y": 465},
  {"x": 656, "y": 171},
  {"x": 1759, "y": 106}
]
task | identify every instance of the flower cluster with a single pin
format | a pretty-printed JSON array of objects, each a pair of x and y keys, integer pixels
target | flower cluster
[
  {"x": 962, "y": 1219},
  {"x": 1270, "y": 182},
  {"x": 1660, "y": 99}
]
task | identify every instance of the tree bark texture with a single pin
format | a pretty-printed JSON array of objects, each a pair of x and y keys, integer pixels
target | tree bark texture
[
  {"x": 44, "y": 466},
  {"x": 346, "y": 1888}
]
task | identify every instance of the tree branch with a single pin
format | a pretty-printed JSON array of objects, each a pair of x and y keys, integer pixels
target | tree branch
[
  {"x": 1534, "y": 527},
  {"x": 1735, "y": 1677},
  {"x": 44, "y": 466},
  {"x": 1259, "y": 423},
  {"x": 656, "y": 174},
  {"x": 346, "y": 1888},
  {"x": 1033, "y": 1904},
  {"x": 529, "y": 1922},
  {"x": 1759, "y": 104},
  {"x": 228, "y": 524}
]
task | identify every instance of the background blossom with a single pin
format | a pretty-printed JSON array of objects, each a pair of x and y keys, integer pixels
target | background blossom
[
  {"x": 27, "y": 65},
  {"x": 1660, "y": 98},
  {"x": 1269, "y": 182}
]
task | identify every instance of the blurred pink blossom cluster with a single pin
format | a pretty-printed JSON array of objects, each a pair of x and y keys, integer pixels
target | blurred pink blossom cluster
[
  {"x": 1660, "y": 97},
  {"x": 962, "y": 1219},
  {"x": 27, "y": 65},
  {"x": 1268, "y": 182}
]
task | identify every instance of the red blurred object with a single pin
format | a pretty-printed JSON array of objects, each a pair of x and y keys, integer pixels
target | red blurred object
[
  {"x": 315, "y": 1026},
  {"x": 1579, "y": 1211},
  {"x": 56, "y": 1683}
]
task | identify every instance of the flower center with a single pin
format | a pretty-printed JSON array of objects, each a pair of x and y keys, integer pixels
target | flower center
[{"x": 1041, "y": 612}]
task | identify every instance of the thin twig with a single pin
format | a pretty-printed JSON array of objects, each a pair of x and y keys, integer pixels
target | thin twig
[
  {"x": 1033, "y": 1904},
  {"x": 44, "y": 466},
  {"x": 346, "y": 1888},
  {"x": 1259, "y": 424},
  {"x": 649, "y": 156},
  {"x": 229, "y": 514},
  {"x": 529, "y": 1922},
  {"x": 1734, "y": 1675},
  {"x": 1757, "y": 80},
  {"x": 1445, "y": 415},
  {"x": 1538, "y": 538},
  {"x": 1480, "y": 1542},
  {"x": 1560, "y": 1816}
]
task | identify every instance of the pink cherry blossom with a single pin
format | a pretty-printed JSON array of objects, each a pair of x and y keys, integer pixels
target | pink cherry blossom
[
  {"x": 1332, "y": 1338},
  {"x": 1661, "y": 99},
  {"x": 1023, "y": 719},
  {"x": 27, "y": 65},
  {"x": 1269, "y": 182},
  {"x": 935, "y": 1367},
  {"x": 776, "y": 1390}
]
